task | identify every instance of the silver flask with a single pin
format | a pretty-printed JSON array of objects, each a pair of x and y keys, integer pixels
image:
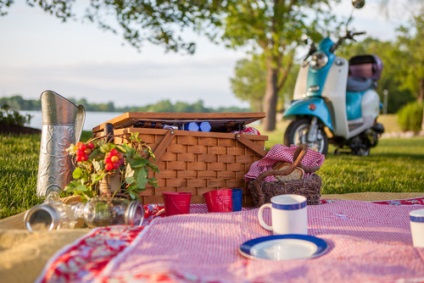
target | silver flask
[{"x": 62, "y": 125}]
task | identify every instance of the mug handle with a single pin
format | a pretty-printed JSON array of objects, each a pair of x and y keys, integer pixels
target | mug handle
[{"x": 261, "y": 218}]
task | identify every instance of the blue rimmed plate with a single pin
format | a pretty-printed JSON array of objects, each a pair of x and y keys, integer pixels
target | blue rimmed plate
[{"x": 284, "y": 247}]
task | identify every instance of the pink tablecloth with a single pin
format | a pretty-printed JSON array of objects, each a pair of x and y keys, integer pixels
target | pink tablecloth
[{"x": 368, "y": 243}]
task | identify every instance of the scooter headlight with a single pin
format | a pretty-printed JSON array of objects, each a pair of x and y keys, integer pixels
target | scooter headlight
[{"x": 318, "y": 60}]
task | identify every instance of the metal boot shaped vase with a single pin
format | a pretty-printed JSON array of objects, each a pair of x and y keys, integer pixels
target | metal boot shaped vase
[{"x": 62, "y": 125}]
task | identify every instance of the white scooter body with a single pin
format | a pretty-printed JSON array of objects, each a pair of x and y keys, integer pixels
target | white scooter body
[{"x": 335, "y": 93}]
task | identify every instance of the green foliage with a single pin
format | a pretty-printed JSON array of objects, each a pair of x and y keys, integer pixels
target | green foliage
[
  {"x": 12, "y": 117},
  {"x": 134, "y": 160},
  {"x": 4, "y": 5},
  {"x": 137, "y": 22},
  {"x": 249, "y": 82},
  {"x": 410, "y": 117},
  {"x": 18, "y": 103},
  {"x": 275, "y": 28},
  {"x": 411, "y": 41}
]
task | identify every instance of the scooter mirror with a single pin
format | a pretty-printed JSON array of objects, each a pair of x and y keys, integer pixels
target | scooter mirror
[
  {"x": 304, "y": 39},
  {"x": 358, "y": 4}
]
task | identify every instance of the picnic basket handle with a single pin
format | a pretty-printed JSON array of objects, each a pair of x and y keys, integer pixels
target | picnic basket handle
[{"x": 298, "y": 155}]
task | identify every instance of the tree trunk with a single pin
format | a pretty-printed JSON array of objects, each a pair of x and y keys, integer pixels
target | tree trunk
[
  {"x": 271, "y": 98},
  {"x": 422, "y": 122},
  {"x": 420, "y": 100},
  {"x": 421, "y": 92}
]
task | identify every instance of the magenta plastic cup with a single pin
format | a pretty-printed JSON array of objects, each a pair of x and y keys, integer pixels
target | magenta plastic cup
[
  {"x": 219, "y": 200},
  {"x": 176, "y": 203}
]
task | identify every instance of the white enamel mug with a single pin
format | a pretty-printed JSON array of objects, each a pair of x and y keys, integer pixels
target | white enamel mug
[
  {"x": 288, "y": 215},
  {"x": 416, "y": 218}
]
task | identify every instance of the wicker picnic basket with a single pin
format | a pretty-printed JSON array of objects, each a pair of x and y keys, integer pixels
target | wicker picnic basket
[
  {"x": 310, "y": 187},
  {"x": 195, "y": 162}
]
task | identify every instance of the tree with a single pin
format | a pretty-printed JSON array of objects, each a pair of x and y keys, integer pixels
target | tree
[
  {"x": 248, "y": 83},
  {"x": 275, "y": 28},
  {"x": 411, "y": 40},
  {"x": 418, "y": 25},
  {"x": 159, "y": 22},
  {"x": 398, "y": 7}
]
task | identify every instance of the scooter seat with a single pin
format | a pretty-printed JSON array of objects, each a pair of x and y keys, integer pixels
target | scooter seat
[{"x": 356, "y": 84}]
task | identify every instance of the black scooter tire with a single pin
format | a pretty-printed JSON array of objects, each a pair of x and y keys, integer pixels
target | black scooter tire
[{"x": 303, "y": 125}]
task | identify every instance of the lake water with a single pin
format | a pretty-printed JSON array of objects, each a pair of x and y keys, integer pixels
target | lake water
[{"x": 92, "y": 119}]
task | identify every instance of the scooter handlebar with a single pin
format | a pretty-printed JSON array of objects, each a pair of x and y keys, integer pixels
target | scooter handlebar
[
  {"x": 351, "y": 35},
  {"x": 359, "y": 33},
  {"x": 312, "y": 49}
]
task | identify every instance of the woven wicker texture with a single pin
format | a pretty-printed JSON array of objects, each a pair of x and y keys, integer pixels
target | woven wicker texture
[
  {"x": 262, "y": 190},
  {"x": 309, "y": 187},
  {"x": 199, "y": 162}
]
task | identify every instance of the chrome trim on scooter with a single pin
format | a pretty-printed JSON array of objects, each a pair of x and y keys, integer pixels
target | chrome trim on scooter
[{"x": 312, "y": 133}]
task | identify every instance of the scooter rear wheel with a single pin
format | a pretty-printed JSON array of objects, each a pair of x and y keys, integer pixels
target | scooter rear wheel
[{"x": 297, "y": 133}]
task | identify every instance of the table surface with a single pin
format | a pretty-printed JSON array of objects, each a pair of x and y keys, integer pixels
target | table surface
[{"x": 367, "y": 242}]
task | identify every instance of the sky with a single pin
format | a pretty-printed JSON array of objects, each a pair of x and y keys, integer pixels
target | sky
[{"x": 38, "y": 52}]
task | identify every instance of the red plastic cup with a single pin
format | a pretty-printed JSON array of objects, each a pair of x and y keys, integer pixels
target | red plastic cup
[
  {"x": 176, "y": 203},
  {"x": 219, "y": 200}
]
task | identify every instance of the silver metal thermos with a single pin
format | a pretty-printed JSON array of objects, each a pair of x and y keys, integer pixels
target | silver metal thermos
[
  {"x": 62, "y": 125},
  {"x": 53, "y": 214}
]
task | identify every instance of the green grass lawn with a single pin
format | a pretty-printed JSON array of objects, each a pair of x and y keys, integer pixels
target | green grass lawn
[{"x": 395, "y": 165}]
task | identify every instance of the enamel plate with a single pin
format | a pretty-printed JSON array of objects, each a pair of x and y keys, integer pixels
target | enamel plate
[{"x": 284, "y": 247}]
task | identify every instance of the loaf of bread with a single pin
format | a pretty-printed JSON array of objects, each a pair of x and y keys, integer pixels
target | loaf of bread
[{"x": 296, "y": 174}]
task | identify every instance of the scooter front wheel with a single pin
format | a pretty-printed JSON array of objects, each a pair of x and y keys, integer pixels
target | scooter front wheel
[{"x": 297, "y": 133}]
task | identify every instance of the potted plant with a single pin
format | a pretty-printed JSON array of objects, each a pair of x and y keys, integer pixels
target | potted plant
[{"x": 104, "y": 168}]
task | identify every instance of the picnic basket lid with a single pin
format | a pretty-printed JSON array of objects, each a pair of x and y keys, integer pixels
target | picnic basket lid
[{"x": 128, "y": 119}]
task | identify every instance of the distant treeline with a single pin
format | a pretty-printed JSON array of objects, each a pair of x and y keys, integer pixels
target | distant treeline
[{"x": 18, "y": 103}]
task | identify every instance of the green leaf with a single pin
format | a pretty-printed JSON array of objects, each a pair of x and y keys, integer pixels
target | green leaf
[
  {"x": 97, "y": 177},
  {"x": 141, "y": 179},
  {"x": 81, "y": 188},
  {"x": 129, "y": 172},
  {"x": 121, "y": 148},
  {"x": 98, "y": 165},
  {"x": 77, "y": 173},
  {"x": 138, "y": 163},
  {"x": 133, "y": 195},
  {"x": 130, "y": 180},
  {"x": 153, "y": 182}
]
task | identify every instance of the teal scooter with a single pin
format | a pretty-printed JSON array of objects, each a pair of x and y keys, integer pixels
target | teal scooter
[{"x": 335, "y": 100}]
